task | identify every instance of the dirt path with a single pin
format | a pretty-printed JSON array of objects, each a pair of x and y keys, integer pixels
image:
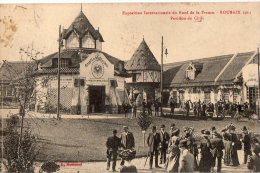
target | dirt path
[{"x": 96, "y": 167}]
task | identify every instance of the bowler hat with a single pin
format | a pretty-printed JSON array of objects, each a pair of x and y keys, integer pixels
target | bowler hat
[
  {"x": 162, "y": 126},
  {"x": 206, "y": 132},
  {"x": 244, "y": 128}
]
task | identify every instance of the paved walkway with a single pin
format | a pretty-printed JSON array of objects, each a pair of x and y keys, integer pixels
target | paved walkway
[
  {"x": 5, "y": 113},
  {"x": 96, "y": 167}
]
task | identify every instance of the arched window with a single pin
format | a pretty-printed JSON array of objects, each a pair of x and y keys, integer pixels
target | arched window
[{"x": 88, "y": 41}]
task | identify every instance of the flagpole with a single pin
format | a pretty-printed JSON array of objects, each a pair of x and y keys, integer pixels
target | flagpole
[{"x": 161, "y": 89}]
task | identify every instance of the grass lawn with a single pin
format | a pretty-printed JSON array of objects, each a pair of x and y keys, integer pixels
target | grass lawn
[{"x": 84, "y": 139}]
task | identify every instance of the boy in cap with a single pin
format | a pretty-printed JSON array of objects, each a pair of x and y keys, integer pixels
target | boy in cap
[
  {"x": 153, "y": 142},
  {"x": 164, "y": 138},
  {"x": 247, "y": 143},
  {"x": 112, "y": 144}
]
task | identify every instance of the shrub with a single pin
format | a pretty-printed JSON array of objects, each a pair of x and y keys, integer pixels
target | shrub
[
  {"x": 144, "y": 121},
  {"x": 19, "y": 158}
]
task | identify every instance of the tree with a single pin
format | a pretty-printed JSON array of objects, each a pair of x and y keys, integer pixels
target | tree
[
  {"x": 19, "y": 144},
  {"x": 144, "y": 121}
]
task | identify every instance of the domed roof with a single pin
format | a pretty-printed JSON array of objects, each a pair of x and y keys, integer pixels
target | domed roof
[
  {"x": 81, "y": 26},
  {"x": 142, "y": 59}
]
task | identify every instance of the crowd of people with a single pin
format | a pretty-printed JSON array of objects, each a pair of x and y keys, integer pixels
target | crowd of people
[
  {"x": 219, "y": 109},
  {"x": 186, "y": 152},
  {"x": 199, "y": 108}
]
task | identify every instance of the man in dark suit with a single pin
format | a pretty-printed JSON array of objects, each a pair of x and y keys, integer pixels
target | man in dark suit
[
  {"x": 112, "y": 144},
  {"x": 187, "y": 105},
  {"x": 153, "y": 142},
  {"x": 172, "y": 105},
  {"x": 164, "y": 141},
  {"x": 127, "y": 140},
  {"x": 216, "y": 150},
  {"x": 247, "y": 144}
]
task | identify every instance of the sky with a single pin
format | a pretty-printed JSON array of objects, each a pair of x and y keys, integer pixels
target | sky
[{"x": 36, "y": 25}]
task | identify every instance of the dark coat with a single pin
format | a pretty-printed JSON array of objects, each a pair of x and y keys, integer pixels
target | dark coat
[
  {"x": 254, "y": 163},
  {"x": 217, "y": 146},
  {"x": 153, "y": 141},
  {"x": 113, "y": 143},
  {"x": 246, "y": 142},
  {"x": 206, "y": 156},
  {"x": 127, "y": 140},
  {"x": 164, "y": 139}
]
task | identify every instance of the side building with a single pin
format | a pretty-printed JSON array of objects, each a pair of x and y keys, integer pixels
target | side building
[
  {"x": 144, "y": 72},
  {"x": 230, "y": 78}
]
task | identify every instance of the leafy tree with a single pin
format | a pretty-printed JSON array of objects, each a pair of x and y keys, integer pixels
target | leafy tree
[
  {"x": 19, "y": 144},
  {"x": 144, "y": 121}
]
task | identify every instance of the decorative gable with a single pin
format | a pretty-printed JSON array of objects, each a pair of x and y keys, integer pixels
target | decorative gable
[
  {"x": 193, "y": 70},
  {"x": 190, "y": 72}
]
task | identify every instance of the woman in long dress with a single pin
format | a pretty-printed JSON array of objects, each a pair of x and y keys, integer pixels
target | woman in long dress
[
  {"x": 230, "y": 142},
  {"x": 172, "y": 163},
  {"x": 206, "y": 156}
]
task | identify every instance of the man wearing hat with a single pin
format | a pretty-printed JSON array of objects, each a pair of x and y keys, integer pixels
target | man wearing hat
[
  {"x": 173, "y": 129},
  {"x": 247, "y": 144},
  {"x": 186, "y": 161},
  {"x": 112, "y": 144},
  {"x": 127, "y": 140},
  {"x": 214, "y": 132},
  {"x": 254, "y": 160},
  {"x": 164, "y": 141},
  {"x": 217, "y": 146},
  {"x": 153, "y": 142}
]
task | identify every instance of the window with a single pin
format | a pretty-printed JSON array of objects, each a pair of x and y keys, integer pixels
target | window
[
  {"x": 55, "y": 62},
  {"x": 64, "y": 62},
  {"x": 134, "y": 77},
  {"x": 72, "y": 41},
  {"x": 251, "y": 93},
  {"x": 8, "y": 91},
  {"x": 190, "y": 73},
  {"x": 79, "y": 82},
  {"x": 113, "y": 83},
  {"x": 88, "y": 41}
]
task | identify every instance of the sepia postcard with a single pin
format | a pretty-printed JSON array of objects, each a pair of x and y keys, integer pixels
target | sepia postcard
[{"x": 130, "y": 87}]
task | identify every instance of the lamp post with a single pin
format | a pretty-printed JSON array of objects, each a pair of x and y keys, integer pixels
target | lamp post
[
  {"x": 60, "y": 45},
  {"x": 258, "y": 62},
  {"x": 161, "y": 88}
]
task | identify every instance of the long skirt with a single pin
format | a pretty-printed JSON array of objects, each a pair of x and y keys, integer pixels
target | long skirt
[
  {"x": 205, "y": 163},
  {"x": 172, "y": 163},
  {"x": 230, "y": 157}
]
